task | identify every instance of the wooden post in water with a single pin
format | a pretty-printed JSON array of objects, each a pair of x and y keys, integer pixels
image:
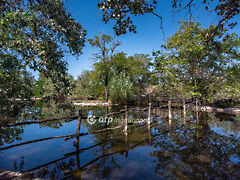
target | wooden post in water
[
  {"x": 169, "y": 109},
  {"x": 197, "y": 116},
  {"x": 76, "y": 143},
  {"x": 106, "y": 110},
  {"x": 197, "y": 109},
  {"x": 126, "y": 144},
  {"x": 126, "y": 120},
  {"x": 78, "y": 127},
  {"x": 149, "y": 124},
  {"x": 149, "y": 113},
  {"x": 196, "y": 104},
  {"x": 169, "y": 113},
  {"x": 78, "y": 156},
  {"x": 125, "y": 131},
  {"x": 184, "y": 110}
]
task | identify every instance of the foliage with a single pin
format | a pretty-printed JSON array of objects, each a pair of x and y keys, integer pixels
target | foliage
[
  {"x": 106, "y": 46},
  {"x": 44, "y": 88},
  {"x": 87, "y": 86},
  {"x": 133, "y": 73},
  {"x": 191, "y": 64},
  {"x": 137, "y": 68},
  {"x": 9, "y": 135},
  {"x": 230, "y": 88},
  {"x": 35, "y": 34},
  {"x": 38, "y": 90},
  {"x": 122, "y": 89},
  {"x": 121, "y": 11},
  {"x": 14, "y": 82}
]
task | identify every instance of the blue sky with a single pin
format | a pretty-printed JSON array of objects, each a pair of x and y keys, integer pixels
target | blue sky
[{"x": 149, "y": 36}]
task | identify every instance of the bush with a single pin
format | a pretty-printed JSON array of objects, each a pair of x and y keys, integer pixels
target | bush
[
  {"x": 101, "y": 98},
  {"x": 122, "y": 89}
]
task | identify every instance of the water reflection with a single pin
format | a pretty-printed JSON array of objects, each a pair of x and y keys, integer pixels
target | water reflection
[
  {"x": 31, "y": 112},
  {"x": 225, "y": 124},
  {"x": 187, "y": 145}
]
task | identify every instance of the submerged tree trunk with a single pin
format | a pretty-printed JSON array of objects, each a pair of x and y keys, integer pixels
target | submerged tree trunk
[
  {"x": 197, "y": 110},
  {"x": 169, "y": 113},
  {"x": 126, "y": 144},
  {"x": 149, "y": 114},
  {"x": 196, "y": 104},
  {"x": 184, "y": 110},
  {"x": 78, "y": 156},
  {"x": 106, "y": 87},
  {"x": 78, "y": 128},
  {"x": 126, "y": 120},
  {"x": 106, "y": 93},
  {"x": 149, "y": 125},
  {"x": 197, "y": 116},
  {"x": 169, "y": 110}
]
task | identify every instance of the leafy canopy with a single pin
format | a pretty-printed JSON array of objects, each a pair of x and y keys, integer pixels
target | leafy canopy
[
  {"x": 121, "y": 11},
  {"x": 35, "y": 34},
  {"x": 194, "y": 65}
]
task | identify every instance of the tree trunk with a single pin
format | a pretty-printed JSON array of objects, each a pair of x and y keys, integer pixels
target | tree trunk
[
  {"x": 197, "y": 116},
  {"x": 106, "y": 87},
  {"x": 106, "y": 93},
  {"x": 126, "y": 144},
  {"x": 197, "y": 110},
  {"x": 169, "y": 109},
  {"x": 78, "y": 128},
  {"x": 169, "y": 113},
  {"x": 78, "y": 155},
  {"x": 126, "y": 120},
  {"x": 184, "y": 110},
  {"x": 149, "y": 124},
  {"x": 149, "y": 114},
  {"x": 196, "y": 104}
]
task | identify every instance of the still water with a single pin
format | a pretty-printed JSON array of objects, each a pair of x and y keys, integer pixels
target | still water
[{"x": 199, "y": 146}]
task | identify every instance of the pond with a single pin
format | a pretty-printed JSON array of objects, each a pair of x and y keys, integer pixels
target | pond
[{"x": 199, "y": 145}]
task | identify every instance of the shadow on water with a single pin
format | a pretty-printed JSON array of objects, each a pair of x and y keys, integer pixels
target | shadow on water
[{"x": 192, "y": 145}]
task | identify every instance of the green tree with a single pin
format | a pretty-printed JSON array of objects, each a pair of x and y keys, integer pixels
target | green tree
[
  {"x": 129, "y": 76},
  {"x": 122, "y": 88},
  {"x": 35, "y": 34},
  {"x": 44, "y": 88},
  {"x": 231, "y": 85},
  {"x": 106, "y": 46},
  {"x": 198, "y": 64},
  {"x": 122, "y": 11},
  {"x": 14, "y": 81},
  {"x": 135, "y": 70},
  {"x": 88, "y": 86},
  {"x": 137, "y": 67},
  {"x": 38, "y": 90}
]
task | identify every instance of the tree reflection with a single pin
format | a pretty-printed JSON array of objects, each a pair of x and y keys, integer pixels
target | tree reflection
[
  {"x": 20, "y": 166},
  {"x": 194, "y": 151},
  {"x": 191, "y": 150},
  {"x": 31, "y": 111},
  {"x": 10, "y": 134}
]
